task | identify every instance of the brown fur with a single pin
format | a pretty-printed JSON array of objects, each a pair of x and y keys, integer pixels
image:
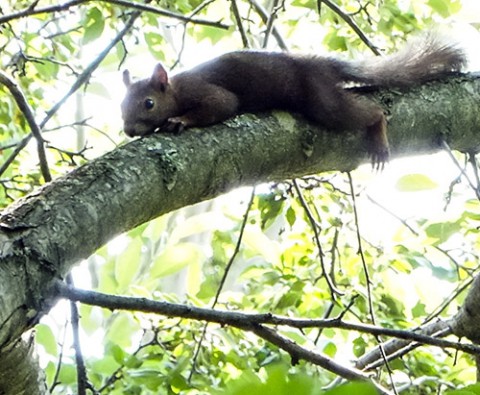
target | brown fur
[{"x": 250, "y": 81}]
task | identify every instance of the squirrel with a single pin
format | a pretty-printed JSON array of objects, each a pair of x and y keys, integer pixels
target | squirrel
[{"x": 314, "y": 86}]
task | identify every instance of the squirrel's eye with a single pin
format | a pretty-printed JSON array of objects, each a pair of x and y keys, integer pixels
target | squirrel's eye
[{"x": 149, "y": 104}]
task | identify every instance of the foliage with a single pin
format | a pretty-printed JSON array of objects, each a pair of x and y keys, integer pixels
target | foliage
[{"x": 412, "y": 270}]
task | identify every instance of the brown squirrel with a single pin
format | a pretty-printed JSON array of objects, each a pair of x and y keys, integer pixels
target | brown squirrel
[{"x": 253, "y": 81}]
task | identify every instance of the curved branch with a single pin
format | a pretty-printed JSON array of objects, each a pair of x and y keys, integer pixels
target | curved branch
[{"x": 45, "y": 234}]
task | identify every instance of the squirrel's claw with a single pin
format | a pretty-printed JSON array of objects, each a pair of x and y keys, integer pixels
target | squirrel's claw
[{"x": 174, "y": 125}]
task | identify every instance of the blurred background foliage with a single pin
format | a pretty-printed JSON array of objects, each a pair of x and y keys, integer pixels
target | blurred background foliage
[{"x": 417, "y": 221}]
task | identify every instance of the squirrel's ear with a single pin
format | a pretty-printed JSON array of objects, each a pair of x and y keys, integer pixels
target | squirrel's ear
[
  {"x": 159, "y": 77},
  {"x": 126, "y": 78}
]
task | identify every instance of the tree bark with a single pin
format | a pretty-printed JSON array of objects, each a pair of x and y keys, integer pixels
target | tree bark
[{"x": 43, "y": 235}]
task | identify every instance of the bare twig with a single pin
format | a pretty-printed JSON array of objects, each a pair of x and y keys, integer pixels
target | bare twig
[
  {"x": 360, "y": 250},
  {"x": 55, "y": 381},
  {"x": 447, "y": 148},
  {"x": 270, "y": 21},
  {"x": 264, "y": 15},
  {"x": 238, "y": 19},
  {"x": 395, "y": 348},
  {"x": 223, "y": 279},
  {"x": 367, "y": 279},
  {"x": 350, "y": 22},
  {"x": 34, "y": 128},
  {"x": 82, "y": 382},
  {"x": 82, "y": 78},
  {"x": 313, "y": 225}
]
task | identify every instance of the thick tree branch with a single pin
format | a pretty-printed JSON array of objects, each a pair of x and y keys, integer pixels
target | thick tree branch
[
  {"x": 43, "y": 235},
  {"x": 19, "y": 370},
  {"x": 467, "y": 320}
]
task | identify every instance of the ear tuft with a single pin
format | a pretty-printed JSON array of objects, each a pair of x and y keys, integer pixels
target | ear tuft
[
  {"x": 159, "y": 78},
  {"x": 126, "y": 78}
]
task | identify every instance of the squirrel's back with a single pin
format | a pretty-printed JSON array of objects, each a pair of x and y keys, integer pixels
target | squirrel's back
[
  {"x": 249, "y": 81},
  {"x": 266, "y": 80}
]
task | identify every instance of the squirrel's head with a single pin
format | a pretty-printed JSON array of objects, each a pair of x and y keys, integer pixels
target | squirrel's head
[{"x": 148, "y": 104}]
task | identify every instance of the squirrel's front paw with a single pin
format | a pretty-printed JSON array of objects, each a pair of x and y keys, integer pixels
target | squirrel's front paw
[{"x": 174, "y": 125}]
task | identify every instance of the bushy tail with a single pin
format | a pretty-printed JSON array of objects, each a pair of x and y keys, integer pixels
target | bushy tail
[{"x": 421, "y": 60}]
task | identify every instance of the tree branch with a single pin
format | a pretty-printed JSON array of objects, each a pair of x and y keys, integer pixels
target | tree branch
[{"x": 251, "y": 322}]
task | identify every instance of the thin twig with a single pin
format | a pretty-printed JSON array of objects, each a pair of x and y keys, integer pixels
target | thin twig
[
  {"x": 238, "y": 20},
  {"x": 447, "y": 148},
  {"x": 297, "y": 352},
  {"x": 367, "y": 279},
  {"x": 360, "y": 250},
  {"x": 34, "y": 128},
  {"x": 270, "y": 21},
  {"x": 223, "y": 279},
  {"x": 82, "y": 78},
  {"x": 350, "y": 22},
  {"x": 82, "y": 382},
  {"x": 123, "y": 3},
  {"x": 313, "y": 225},
  {"x": 264, "y": 15},
  {"x": 55, "y": 381}
]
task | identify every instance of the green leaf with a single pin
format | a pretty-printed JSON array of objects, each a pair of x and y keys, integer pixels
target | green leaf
[
  {"x": 354, "y": 388},
  {"x": 291, "y": 216},
  {"x": 330, "y": 349},
  {"x": 415, "y": 183},
  {"x": 174, "y": 258},
  {"x": 68, "y": 374},
  {"x": 155, "y": 44},
  {"x": 473, "y": 389},
  {"x": 442, "y": 231},
  {"x": 270, "y": 207},
  {"x": 335, "y": 42},
  {"x": 444, "y": 7},
  {"x": 128, "y": 263},
  {"x": 419, "y": 310},
  {"x": 117, "y": 352},
  {"x": 45, "y": 337},
  {"x": 149, "y": 378},
  {"x": 94, "y": 25},
  {"x": 99, "y": 89},
  {"x": 359, "y": 346},
  {"x": 121, "y": 330}
]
